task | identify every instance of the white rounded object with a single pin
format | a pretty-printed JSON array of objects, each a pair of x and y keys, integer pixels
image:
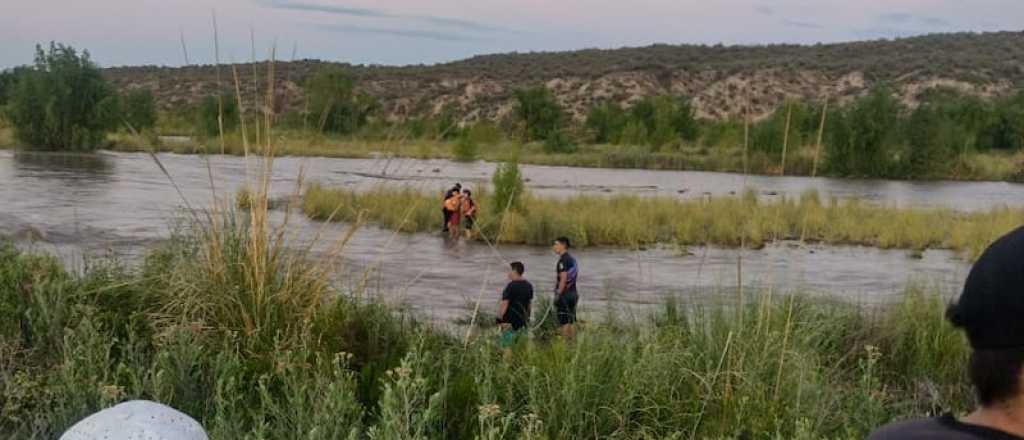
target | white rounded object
[{"x": 137, "y": 420}]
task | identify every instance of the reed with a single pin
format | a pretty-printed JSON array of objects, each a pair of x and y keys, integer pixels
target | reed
[
  {"x": 725, "y": 221},
  {"x": 784, "y": 366}
]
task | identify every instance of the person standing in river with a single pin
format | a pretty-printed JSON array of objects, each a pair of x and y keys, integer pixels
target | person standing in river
[
  {"x": 514, "y": 311},
  {"x": 989, "y": 310},
  {"x": 469, "y": 210},
  {"x": 444, "y": 205},
  {"x": 566, "y": 296}
]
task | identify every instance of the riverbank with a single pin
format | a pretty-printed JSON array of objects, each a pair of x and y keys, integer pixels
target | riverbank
[
  {"x": 250, "y": 340},
  {"x": 641, "y": 221},
  {"x": 991, "y": 166}
]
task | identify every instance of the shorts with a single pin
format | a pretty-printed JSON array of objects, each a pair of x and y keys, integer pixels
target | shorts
[
  {"x": 565, "y": 305},
  {"x": 468, "y": 222},
  {"x": 510, "y": 337}
]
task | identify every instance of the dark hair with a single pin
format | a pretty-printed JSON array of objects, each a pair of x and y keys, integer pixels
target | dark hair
[
  {"x": 519, "y": 267},
  {"x": 563, "y": 240},
  {"x": 996, "y": 374},
  {"x": 458, "y": 185},
  {"x": 467, "y": 192}
]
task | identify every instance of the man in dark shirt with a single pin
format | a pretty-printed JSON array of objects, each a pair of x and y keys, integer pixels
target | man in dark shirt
[
  {"x": 566, "y": 296},
  {"x": 514, "y": 312},
  {"x": 447, "y": 214},
  {"x": 990, "y": 311}
]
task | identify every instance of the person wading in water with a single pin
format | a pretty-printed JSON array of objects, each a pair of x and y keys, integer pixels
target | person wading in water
[
  {"x": 469, "y": 210},
  {"x": 566, "y": 296},
  {"x": 989, "y": 310},
  {"x": 514, "y": 312},
  {"x": 444, "y": 205},
  {"x": 453, "y": 205}
]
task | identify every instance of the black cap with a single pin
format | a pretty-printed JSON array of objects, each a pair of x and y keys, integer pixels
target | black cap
[{"x": 991, "y": 307}]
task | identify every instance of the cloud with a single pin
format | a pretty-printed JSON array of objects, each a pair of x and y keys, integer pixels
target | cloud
[
  {"x": 801, "y": 24},
  {"x": 378, "y": 13},
  {"x": 405, "y": 33},
  {"x": 764, "y": 9},
  {"x": 896, "y": 17}
]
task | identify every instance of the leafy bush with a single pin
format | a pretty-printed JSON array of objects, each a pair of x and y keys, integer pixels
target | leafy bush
[
  {"x": 216, "y": 112},
  {"x": 334, "y": 104},
  {"x": 508, "y": 187},
  {"x": 62, "y": 102},
  {"x": 138, "y": 109},
  {"x": 860, "y": 134},
  {"x": 558, "y": 142},
  {"x": 539, "y": 112},
  {"x": 465, "y": 149}
]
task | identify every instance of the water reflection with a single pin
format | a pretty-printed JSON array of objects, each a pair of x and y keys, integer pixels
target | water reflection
[{"x": 74, "y": 167}]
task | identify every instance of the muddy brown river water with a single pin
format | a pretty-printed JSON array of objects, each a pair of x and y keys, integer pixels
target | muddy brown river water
[{"x": 83, "y": 206}]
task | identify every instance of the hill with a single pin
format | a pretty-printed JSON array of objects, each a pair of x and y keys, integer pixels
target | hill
[{"x": 718, "y": 78}]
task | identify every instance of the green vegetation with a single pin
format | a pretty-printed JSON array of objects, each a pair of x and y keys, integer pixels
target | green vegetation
[
  {"x": 216, "y": 115},
  {"x": 539, "y": 113},
  {"x": 138, "y": 109},
  {"x": 254, "y": 343},
  {"x": 334, "y": 104},
  {"x": 638, "y": 221},
  {"x": 508, "y": 188},
  {"x": 661, "y": 121},
  {"x": 62, "y": 102}
]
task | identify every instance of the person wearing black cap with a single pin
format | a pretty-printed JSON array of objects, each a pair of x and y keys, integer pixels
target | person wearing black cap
[
  {"x": 566, "y": 296},
  {"x": 991, "y": 311}
]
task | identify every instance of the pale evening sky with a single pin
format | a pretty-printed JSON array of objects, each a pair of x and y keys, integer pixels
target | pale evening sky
[{"x": 132, "y": 32}]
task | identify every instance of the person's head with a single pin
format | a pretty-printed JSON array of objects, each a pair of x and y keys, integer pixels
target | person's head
[
  {"x": 467, "y": 193},
  {"x": 561, "y": 245},
  {"x": 517, "y": 269},
  {"x": 458, "y": 187},
  {"x": 989, "y": 310}
]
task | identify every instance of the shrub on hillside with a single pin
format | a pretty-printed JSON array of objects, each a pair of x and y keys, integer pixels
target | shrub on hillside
[
  {"x": 539, "y": 112},
  {"x": 334, "y": 104}
]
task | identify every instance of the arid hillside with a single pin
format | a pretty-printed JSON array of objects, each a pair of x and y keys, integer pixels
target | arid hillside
[{"x": 719, "y": 79}]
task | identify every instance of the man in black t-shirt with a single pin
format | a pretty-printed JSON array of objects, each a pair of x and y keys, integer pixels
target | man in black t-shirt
[
  {"x": 566, "y": 296},
  {"x": 990, "y": 311},
  {"x": 514, "y": 312}
]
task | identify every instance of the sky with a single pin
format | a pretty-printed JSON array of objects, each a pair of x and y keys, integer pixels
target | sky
[{"x": 400, "y": 32}]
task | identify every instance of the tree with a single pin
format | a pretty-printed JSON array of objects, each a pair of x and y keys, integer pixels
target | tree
[
  {"x": 62, "y": 102},
  {"x": 213, "y": 113},
  {"x": 933, "y": 140},
  {"x": 538, "y": 110},
  {"x": 606, "y": 121},
  {"x": 334, "y": 104},
  {"x": 138, "y": 109},
  {"x": 861, "y": 134}
]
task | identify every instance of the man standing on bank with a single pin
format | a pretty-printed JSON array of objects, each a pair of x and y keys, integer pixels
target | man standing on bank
[
  {"x": 990, "y": 311},
  {"x": 566, "y": 296},
  {"x": 514, "y": 312}
]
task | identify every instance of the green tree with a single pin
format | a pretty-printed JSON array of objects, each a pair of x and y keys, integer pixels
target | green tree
[
  {"x": 334, "y": 104},
  {"x": 62, "y": 102},
  {"x": 539, "y": 112},
  {"x": 1005, "y": 129},
  {"x": 862, "y": 135},
  {"x": 606, "y": 121},
  {"x": 211, "y": 113},
  {"x": 933, "y": 140},
  {"x": 138, "y": 109}
]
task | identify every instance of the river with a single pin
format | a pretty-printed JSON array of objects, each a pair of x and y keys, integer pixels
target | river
[{"x": 82, "y": 206}]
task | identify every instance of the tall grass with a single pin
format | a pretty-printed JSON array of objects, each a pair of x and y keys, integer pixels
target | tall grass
[
  {"x": 725, "y": 221},
  {"x": 785, "y": 367}
]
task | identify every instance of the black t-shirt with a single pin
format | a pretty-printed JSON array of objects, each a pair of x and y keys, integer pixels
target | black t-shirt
[
  {"x": 518, "y": 293},
  {"x": 567, "y": 264},
  {"x": 946, "y": 427}
]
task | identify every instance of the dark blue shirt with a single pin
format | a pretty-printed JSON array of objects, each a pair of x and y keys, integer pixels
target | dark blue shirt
[{"x": 567, "y": 264}]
